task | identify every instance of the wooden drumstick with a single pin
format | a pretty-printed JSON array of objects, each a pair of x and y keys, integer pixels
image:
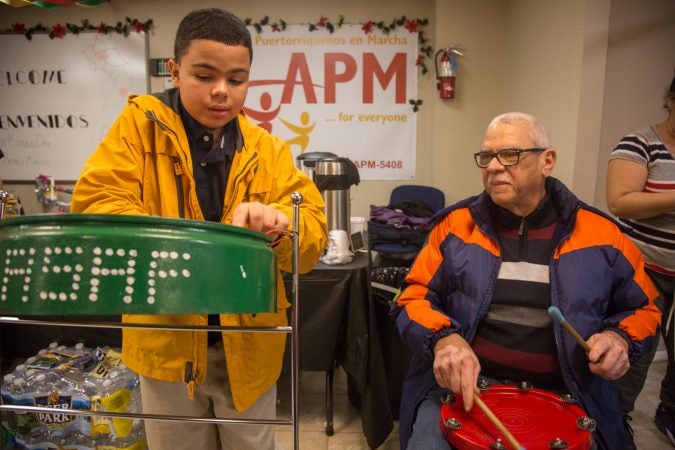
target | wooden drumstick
[
  {"x": 496, "y": 422},
  {"x": 554, "y": 312}
]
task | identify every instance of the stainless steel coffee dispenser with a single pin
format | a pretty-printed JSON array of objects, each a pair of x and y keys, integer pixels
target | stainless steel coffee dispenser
[
  {"x": 333, "y": 175},
  {"x": 307, "y": 161}
]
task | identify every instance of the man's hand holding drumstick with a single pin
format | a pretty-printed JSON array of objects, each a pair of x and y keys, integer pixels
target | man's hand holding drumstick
[
  {"x": 607, "y": 351},
  {"x": 456, "y": 368}
]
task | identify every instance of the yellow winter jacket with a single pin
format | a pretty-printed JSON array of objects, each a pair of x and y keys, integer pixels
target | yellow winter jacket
[{"x": 139, "y": 169}]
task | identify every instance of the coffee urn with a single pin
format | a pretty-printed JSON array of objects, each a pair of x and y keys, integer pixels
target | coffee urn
[
  {"x": 333, "y": 175},
  {"x": 307, "y": 161}
]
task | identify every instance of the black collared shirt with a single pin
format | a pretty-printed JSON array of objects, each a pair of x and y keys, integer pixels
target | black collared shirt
[{"x": 211, "y": 163}]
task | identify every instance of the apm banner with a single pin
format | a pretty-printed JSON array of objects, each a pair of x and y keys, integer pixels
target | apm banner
[{"x": 346, "y": 92}]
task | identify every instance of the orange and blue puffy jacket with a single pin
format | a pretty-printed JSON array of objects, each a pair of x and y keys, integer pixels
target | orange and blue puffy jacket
[{"x": 597, "y": 280}]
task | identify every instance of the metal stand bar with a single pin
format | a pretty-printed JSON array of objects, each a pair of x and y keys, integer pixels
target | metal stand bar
[
  {"x": 165, "y": 417},
  {"x": 3, "y": 200},
  {"x": 330, "y": 374},
  {"x": 143, "y": 326},
  {"x": 296, "y": 199}
]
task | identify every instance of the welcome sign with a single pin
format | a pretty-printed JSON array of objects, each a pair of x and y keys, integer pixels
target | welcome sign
[
  {"x": 59, "y": 97},
  {"x": 345, "y": 92}
]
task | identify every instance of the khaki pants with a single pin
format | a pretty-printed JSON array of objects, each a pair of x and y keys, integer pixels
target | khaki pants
[{"x": 212, "y": 399}]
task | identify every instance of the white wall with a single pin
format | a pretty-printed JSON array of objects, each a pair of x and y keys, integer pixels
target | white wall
[
  {"x": 543, "y": 49},
  {"x": 591, "y": 97},
  {"x": 458, "y": 124},
  {"x": 546, "y": 57},
  {"x": 521, "y": 55}
]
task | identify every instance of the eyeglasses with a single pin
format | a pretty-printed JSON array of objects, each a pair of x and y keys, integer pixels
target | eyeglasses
[{"x": 506, "y": 157}]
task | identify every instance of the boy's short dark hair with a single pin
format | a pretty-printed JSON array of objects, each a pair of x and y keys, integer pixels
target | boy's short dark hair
[{"x": 212, "y": 24}]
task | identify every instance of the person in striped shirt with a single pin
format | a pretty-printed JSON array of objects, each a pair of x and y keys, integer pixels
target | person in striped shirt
[{"x": 641, "y": 193}]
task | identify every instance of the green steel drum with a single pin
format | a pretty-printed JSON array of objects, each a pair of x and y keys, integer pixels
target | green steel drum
[{"x": 111, "y": 264}]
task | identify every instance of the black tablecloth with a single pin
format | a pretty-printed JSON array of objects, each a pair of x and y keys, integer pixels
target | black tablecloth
[{"x": 338, "y": 324}]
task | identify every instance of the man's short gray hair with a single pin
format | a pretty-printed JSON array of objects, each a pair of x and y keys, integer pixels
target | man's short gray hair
[{"x": 538, "y": 132}]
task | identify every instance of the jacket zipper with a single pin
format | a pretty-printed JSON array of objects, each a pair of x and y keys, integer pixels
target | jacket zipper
[
  {"x": 191, "y": 374},
  {"x": 522, "y": 238},
  {"x": 180, "y": 196}
]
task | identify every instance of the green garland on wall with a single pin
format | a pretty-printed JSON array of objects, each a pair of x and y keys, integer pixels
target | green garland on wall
[
  {"x": 129, "y": 25},
  {"x": 412, "y": 25},
  {"x": 59, "y": 30}
]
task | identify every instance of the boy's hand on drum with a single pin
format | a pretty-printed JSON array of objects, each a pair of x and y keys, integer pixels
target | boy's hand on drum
[
  {"x": 456, "y": 367},
  {"x": 608, "y": 355},
  {"x": 259, "y": 217}
]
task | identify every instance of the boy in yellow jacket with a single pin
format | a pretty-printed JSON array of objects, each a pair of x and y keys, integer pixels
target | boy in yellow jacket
[{"x": 192, "y": 152}]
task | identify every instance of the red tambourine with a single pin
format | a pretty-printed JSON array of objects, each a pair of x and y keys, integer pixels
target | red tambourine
[{"x": 538, "y": 419}]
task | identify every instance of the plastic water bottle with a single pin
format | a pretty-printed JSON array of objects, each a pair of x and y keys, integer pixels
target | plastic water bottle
[
  {"x": 138, "y": 436},
  {"x": 22, "y": 393},
  {"x": 77, "y": 440},
  {"x": 19, "y": 370},
  {"x": 18, "y": 386},
  {"x": 135, "y": 440},
  {"x": 79, "y": 348},
  {"x": 130, "y": 381},
  {"x": 37, "y": 438},
  {"x": 29, "y": 374},
  {"x": 42, "y": 387},
  {"x": 105, "y": 442},
  {"x": 7, "y": 383}
]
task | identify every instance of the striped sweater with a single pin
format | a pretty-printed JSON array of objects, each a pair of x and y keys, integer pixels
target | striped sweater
[{"x": 515, "y": 340}]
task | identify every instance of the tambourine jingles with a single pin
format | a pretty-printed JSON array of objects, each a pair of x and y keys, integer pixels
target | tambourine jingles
[
  {"x": 112, "y": 264},
  {"x": 538, "y": 419}
]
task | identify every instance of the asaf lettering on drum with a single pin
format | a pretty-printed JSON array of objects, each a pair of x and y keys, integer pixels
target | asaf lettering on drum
[
  {"x": 108, "y": 264},
  {"x": 86, "y": 278}
]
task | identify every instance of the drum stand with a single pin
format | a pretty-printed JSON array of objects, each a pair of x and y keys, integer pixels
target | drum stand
[
  {"x": 3, "y": 200},
  {"x": 296, "y": 199},
  {"x": 293, "y": 330}
]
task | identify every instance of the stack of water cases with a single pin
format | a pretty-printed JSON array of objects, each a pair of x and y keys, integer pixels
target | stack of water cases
[{"x": 80, "y": 378}]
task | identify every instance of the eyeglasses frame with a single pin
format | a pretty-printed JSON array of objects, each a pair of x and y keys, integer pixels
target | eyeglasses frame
[{"x": 496, "y": 154}]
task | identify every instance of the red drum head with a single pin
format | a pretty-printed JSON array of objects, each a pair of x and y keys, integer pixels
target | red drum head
[{"x": 537, "y": 419}]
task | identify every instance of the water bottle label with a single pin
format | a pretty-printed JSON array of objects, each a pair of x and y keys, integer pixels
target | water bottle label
[
  {"x": 51, "y": 359},
  {"x": 99, "y": 424},
  {"x": 55, "y": 401},
  {"x": 109, "y": 362}
]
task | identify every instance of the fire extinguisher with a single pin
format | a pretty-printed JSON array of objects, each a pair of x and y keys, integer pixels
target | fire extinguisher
[{"x": 445, "y": 72}]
